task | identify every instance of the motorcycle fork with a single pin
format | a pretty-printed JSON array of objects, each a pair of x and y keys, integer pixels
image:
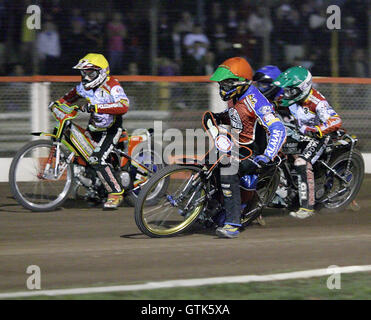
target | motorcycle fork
[{"x": 58, "y": 170}]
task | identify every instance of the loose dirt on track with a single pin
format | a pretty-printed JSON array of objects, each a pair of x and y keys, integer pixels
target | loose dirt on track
[{"x": 77, "y": 246}]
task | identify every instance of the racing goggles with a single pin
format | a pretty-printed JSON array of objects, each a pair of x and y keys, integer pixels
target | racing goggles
[
  {"x": 230, "y": 84},
  {"x": 89, "y": 74},
  {"x": 291, "y": 93}
]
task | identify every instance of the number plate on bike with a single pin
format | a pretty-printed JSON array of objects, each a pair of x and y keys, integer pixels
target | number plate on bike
[{"x": 223, "y": 143}]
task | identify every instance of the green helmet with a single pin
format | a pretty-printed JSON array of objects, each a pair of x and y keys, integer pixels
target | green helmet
[{"x": 296, "y": 83}]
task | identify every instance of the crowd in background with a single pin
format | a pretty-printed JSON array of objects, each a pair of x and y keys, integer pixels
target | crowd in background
[{"x": 191, "y": 39}]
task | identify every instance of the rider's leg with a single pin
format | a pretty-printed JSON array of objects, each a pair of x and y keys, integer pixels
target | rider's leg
[
  {"x": 230, "y": 185},
  {"x": 98, "y": 160},
  {"x": 305, "y": 188},
  {"x": 303, "y": 165}
]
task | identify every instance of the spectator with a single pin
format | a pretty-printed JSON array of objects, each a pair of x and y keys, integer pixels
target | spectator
[
  {"x": 214, "y": 16},
  {"x": 208, "y": 64},
  {"x": 305, "y": 11},
  {"x": 359, "y": 63},
  {"x": 321, "y": 63},
  {"x": 177, "y": 43},
  {"x": 223, "y": 51},
  {"x": 133, "y": 69},
  {"x": 18, "y": 71},
  {"x": 260, "y": 26},
  {"x": 185, "y": 25},
  {"x": 232, "y": 22},
  {"x": 27, "y": 49},
  {"x": 49, "y": 49},
  {"x": 116, "y": 32},
  {"x": 218, "y": 33},
  {"x": 166, "y": 67},
  {"x": 317, "y": 25},
  {"x": 289, "y": 33},
  {"x": 94, "y": 33},
  {"x": 164, "y": 38},
  {"x": 243, "y": 42},
  {"x": 196, "y": 43},
  {"x": 349, "y": 40},
  {"x": 76, "y": 15},
  {"x": 75, "y": 45}
]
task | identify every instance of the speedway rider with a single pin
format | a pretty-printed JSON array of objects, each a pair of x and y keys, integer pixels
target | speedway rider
[
  {"x": 247, "y": 107},
  {"x": 107, "y": 102},
  {"x": 315, "y": 117}
]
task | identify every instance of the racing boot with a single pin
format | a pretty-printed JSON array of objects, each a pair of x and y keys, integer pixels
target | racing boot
[
  {"x": 302, "y": 213},
  {"x": 113, "y": 201},
  {"x": 228, "y": 231}
]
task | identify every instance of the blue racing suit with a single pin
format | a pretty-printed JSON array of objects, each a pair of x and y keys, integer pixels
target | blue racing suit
[{"x": 249, "y": 115}]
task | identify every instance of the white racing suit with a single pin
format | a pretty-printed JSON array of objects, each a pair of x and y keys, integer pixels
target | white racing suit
[
  {"x": 314, "y": 114},
  {"x": 105, "y": 125}
]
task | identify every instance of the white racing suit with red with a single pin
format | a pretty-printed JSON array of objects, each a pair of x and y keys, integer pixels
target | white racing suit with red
[
  {"x": 314, "y": 116},
  {"x": 108, "y": 103},
  {"x": 246, "y": 114}
]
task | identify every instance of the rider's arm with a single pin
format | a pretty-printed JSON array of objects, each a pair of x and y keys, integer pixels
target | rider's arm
[
  {"x": 70, "y": 97},
  {"x": 222, "y": 117},
  {"x": 277, "y": 131},
  {"x": 330, "y": 120},
  {"x": 120, "y": 104}
]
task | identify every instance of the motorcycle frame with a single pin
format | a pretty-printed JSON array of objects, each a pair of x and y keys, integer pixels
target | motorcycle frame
[{"x": 64, "y": 114}]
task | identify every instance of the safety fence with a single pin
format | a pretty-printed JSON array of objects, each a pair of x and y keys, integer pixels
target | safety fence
[{"x": 178, "y": 102}]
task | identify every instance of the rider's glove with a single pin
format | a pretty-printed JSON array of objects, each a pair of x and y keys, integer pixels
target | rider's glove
[
  {"x": 90, "y": 108},
  {"x": 310, "y": 131},
  {"x": 51, "y": 104},
  {"x": 261, "y": 160}
]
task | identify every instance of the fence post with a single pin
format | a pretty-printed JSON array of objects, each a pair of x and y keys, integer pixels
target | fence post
[{"x": 40, "y": 98}]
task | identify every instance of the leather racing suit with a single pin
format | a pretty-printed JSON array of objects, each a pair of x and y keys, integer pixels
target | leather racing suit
[
  {"x": 316, "y": 115},
  {"x": 244, "y": 114},
  {"x": 105, "y": 125}
]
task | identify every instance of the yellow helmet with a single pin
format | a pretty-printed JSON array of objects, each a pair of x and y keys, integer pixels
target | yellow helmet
[{"x": 94, "y": 70}]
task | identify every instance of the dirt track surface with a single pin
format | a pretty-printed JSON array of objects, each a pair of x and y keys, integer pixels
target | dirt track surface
[{"x": 78, "y": 247}]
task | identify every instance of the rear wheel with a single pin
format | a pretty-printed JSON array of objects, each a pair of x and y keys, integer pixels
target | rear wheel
[
  {"x": 35, "y": 181},
  {"x": 153, "y": 161},
  {"x": 178, "y": 206}
]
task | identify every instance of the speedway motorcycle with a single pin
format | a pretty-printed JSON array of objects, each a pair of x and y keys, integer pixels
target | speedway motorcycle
[
  {"x": 193, "y": 192},
  {"x": 338, "y": 171},
  {"x": 45, "y": 172}
]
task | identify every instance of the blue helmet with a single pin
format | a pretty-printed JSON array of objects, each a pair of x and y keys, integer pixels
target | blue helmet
[{"x": 264, "y": 78}]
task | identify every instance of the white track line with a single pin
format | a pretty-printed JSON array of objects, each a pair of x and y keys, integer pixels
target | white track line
[{"x": 192, "y": 282}]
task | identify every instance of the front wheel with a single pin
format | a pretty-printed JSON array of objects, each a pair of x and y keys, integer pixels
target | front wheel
[
  {"x": 339, "y": 193},
  {"x": 177, "y": 208},
  {"x": 35, "y": 181}
]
